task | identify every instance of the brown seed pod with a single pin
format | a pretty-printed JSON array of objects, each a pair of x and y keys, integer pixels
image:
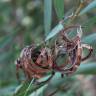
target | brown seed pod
[
  {"x": 34, "y": 65},
  {"x": 74, "y": 49}
]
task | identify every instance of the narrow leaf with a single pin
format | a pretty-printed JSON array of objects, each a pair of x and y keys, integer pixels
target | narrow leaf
[
  {"x": 47, "y": 15},
  {"x": 40, "y": 91},
  {"x": 54, "y": 31},
  {"x": 89, "y": 7},
  {"x": 59, "y": 8},
  {"x": 87, "y": 68},
  {"x": 28, "y": 87},
  {"x": 90, "y": 38},
  {"x": 20, "y": 91}
]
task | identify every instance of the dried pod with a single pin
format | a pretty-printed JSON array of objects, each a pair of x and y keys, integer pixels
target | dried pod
[
  {"x": 34, "y": 65},
  {"x": 72, "y": 47}
]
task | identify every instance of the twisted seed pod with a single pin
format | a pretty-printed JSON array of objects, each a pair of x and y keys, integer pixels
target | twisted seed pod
[
  {"x": 33, "y": 67},
  {"x": 74, "y": 49}
]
